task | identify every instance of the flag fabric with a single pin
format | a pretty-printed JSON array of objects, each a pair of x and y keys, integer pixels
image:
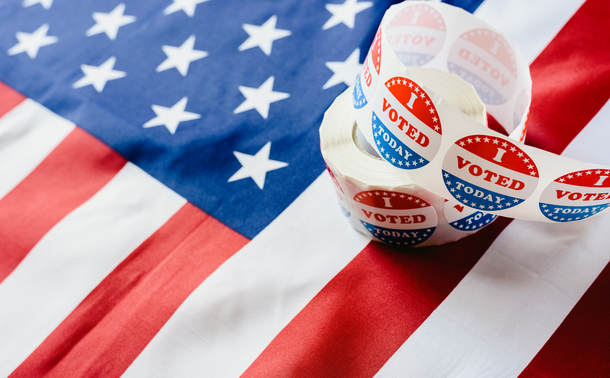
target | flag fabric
[{"x": 165, "y": 210}]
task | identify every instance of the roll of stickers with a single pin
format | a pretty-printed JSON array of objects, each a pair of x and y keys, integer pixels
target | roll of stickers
[
  {"x": 383, "y": 202},
  {"x": 441, "y": 149}
]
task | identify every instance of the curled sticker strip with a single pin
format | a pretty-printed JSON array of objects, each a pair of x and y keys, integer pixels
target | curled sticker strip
[
  {"x": 449, "y": 153},
  {"x": 382, "y": 202}
]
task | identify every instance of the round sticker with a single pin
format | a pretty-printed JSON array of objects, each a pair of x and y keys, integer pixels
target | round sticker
[
  {"x": 340, "y": 194},
  {"x": 395, "y": 218},
  {"x": 465, "y": 218},
  {"x": 416, "y": 34},
  {"x": 484, "y": 59},
  {"x": 406, "y": 127},
  {"x": 367, "y": 80},
  {"x": 489, "y": 173},
  {"x": 576, "y": 196}
]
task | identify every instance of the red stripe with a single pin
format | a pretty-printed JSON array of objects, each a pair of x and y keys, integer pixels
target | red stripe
[
  {"x": 581, "y": 345},
  {"x": 110, "y": 328},
  {"x": 73, "y": 172},
  {"x": 571, "y": 78},
  {"x": 370, "y": 308},
  {"x": 355, "y": 324},
  {"x": 9, "y": 98}
]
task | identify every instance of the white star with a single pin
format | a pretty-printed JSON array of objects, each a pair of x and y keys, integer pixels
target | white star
[
  {"x": 188, "y": 6},
  {"x": 260, "y": 98},
  {"x": 30, "y": 43},
  {"x": 256, "y": 166},
  {"x": 263, "y": 36},
  {"x": 171, "y": 117},
  {"x": 181, "y": 57},
  {"x": 110, "y": 23},
  {"x": 344, "y": 72},
  {"x": 345, "y": 13},
  {"x": 46, "y": 4},
  {"x": 99, "y": 76}
]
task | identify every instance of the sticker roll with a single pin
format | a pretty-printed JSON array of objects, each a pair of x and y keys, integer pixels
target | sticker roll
[
  {"x": 448, "y": 153},
  {"x": 381, "y": 201}
]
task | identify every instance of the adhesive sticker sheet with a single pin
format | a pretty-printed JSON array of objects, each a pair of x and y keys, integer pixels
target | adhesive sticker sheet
[
  {"x": 441, "y": 149},
  {"x": 382, "y": 202}
]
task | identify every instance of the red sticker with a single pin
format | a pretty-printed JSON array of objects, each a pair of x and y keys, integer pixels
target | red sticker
[
  {"x": 406, "y": 126},
  {"x": 416, "y": 34},
  {"x": 369, "y": 76},
  {"x": 395, "y": 218},
  {"x": 576, "y": 195},
  {"x": 375, "y": 52},
  {"x": 485, "y": 59},
  {"x": 489, "y": 173}
]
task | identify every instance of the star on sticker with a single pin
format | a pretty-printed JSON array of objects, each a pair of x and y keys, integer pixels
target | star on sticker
[
  {"x": 345, "y": 13},
  {"x": 181, "y": 57},
  {"x": 171, "y": 117},
  {"x": 260, "y": 98},
  {"x": 99, "y": 76},
  {"x": 263, "y": 36},
  {"x": 46, "y": 4},
  {"x": 110, "y": 22},
  {"x": 344, "y": 72},
  {"x": 30, "y": 43},
  {"x": 256, "y": 166},
  {"x": 188, "y": 6}
]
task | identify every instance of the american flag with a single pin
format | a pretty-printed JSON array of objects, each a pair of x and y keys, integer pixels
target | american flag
[{"x": 165, "y": 211}]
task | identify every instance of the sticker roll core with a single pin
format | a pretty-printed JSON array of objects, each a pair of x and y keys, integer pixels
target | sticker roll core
[
  {"x": 381, "y": 201},
  {"x": 424, "y": 137}
]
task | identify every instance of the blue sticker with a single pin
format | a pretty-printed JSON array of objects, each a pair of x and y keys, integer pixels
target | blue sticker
[
  {"x": 393, "y": 150},
  {"x": 476, "y": 196},
  {"x": 395, "y": 218},
  {"x": 576, "y": 195},
  {"x": 400, "y": 237},
  {"x": 358, "y": 98}
]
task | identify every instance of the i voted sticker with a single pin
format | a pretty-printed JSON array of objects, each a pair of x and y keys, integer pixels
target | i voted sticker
[
  {"x": 343, "y": 204},
  {"x": 406, "y": 126},
  {"x": 489, "y": 173},
  {"x": 465, "y": 218},
  {"x": 367, "y": 80},
  {"x": 485, "y": 59},
  {"x": 416, "y": 34},
  {"x": 395, "y": 218},
  {"x": 576, "y": 196}
]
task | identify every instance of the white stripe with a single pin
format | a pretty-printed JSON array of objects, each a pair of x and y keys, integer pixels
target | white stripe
[
  {"x": 28, "y": 133},
  {"x": 229, "y": 320},
  {"x": 591, "y": 144},
  {"x": 507, "y": 307},
  {"x": 82, "y": 249},
  {"x": 529, "y": 24}
]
